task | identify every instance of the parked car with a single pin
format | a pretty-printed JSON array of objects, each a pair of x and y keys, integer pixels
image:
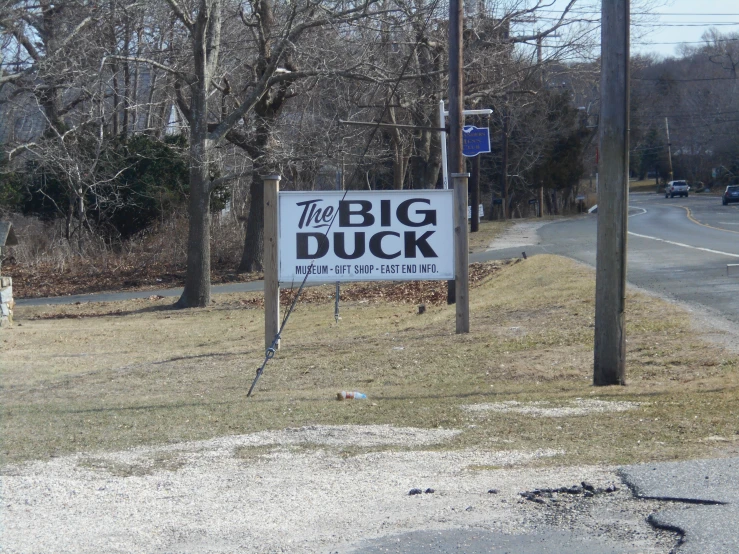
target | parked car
[
  {"x": 731, "y": 194},
  {"x": 676, "y": 188}
]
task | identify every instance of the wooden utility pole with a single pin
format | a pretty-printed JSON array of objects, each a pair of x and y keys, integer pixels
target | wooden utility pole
[
  {"x": 504, "y": 164},
  {"x": 610, "y": 282},
  {"x": 462, "y": 254},
  {"x": 541, "y": 201},
  {"x": 271, "y": 284},
  {"x": 456, "y": 99},
  {"x": 475, "y": 194},
  {"x": 669, "y": 152}
]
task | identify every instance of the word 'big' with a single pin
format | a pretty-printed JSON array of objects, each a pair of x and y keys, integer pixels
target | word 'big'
[
  {"x": 315, "y": 216},
  {"x": 358, "y": 213}
]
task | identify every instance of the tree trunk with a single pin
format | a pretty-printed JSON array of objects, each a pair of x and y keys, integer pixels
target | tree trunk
[
  {"x": 116, "y": 99},
  {"x": 80, "y": 222},
  {"x": 148, "y": 121},
  {"x": 426, "y": 160},
  {"x": 70, "y": 215},
  {"x": 399, "y": 164},
  {"x": 252, "y": 256},
  {"x": 266, "y": 111},
  {"x": 400, "y": 157},
  {"x": 126, "y": 105},
  {"x": 197, "y": 279},
  {"x": 206, "y": 38}
]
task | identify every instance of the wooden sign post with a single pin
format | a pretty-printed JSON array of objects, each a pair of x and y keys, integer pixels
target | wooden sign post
[
  {"x": 409, "y": 235},
  {"x": 271, "y": 284}
]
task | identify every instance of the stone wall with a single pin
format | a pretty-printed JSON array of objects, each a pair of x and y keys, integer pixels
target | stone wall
[{"x": 6, "y": 301}]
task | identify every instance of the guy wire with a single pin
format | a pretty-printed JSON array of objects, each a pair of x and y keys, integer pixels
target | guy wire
[{"x": 272, "y": 349}]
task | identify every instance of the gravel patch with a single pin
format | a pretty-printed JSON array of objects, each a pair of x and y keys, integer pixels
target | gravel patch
[
  {"x": 298, "y": 492},
  {"x": 578, "y": 407}
]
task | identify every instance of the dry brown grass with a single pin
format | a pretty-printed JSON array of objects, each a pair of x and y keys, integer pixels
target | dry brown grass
[
  {"x": 45, "y": 264},
  {"x": 646, "y": 185},
  {"x": 155, "y": 375},
  {"x": 486, "y": 233}
]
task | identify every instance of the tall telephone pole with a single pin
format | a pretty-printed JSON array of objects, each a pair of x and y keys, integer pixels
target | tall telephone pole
[
  {"x": 456, "y": 99},
  {"x": 610, "y": 282},
  {"x": 669, "y": 151},
  {"x": 504, "y": 163}
]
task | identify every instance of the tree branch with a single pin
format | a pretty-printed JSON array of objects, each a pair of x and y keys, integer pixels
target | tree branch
[
  {"x": 181, "y": 15},
  {"x": 222, "y": 180},
  {"x": 189, "y": 79}
]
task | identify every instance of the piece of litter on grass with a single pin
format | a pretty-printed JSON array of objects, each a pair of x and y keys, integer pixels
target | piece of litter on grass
[{"x": 350, "y": 395}]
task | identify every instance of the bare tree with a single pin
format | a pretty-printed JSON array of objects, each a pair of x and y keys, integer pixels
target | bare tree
[{"x": 266, "y": 89}]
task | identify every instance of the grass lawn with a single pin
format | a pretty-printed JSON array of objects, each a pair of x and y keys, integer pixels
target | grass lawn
[
  {"x": 487, "y": 232},
  {"x": 647, "y": 185},
  {"x": 101, "y": 377}
]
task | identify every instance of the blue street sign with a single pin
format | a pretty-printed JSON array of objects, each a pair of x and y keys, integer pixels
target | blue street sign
[{"x": 475, "y": 140}]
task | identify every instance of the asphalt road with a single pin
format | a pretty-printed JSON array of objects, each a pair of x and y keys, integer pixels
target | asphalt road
[
  {"x": 130, "y": 295},
  {"x": 705, "y": 501},
  {"x": 677, "y": 247}
]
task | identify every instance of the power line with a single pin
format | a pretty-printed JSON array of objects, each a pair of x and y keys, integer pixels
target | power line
[
  {"x": 680, "y": 14},
  {"x": 708, "y": 43},
  {"x": 688, "y": 14},
  {"x": 689, "y": 114},
  {"x": 705, "y": 24},
  {"x": 650, "y": 24},
  {"x": 691, "y": 80}
]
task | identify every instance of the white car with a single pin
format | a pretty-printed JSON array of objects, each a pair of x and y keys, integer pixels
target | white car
[{"x": 676, "y": 188}]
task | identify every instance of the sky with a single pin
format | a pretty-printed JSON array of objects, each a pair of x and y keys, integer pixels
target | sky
[
  {"x": 686, "y": 21},
  {"x": 672, "y": 22}
]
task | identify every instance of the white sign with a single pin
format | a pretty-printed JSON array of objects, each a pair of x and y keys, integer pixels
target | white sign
[
  {"x": 480, "y": 212},
  {"x": 366, "y": 236}
]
